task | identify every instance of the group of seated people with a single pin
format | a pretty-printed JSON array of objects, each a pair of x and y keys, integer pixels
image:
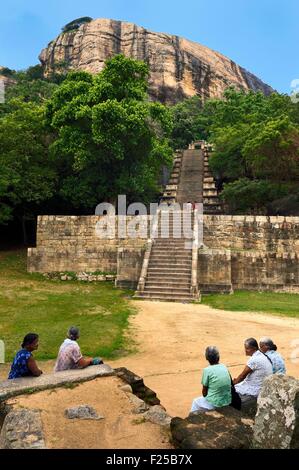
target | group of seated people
[
  {"x": 69, "y": 356},
  {"x": 218, "y": 385}
]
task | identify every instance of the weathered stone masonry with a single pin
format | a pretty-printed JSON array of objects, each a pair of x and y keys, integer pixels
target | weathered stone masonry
[{"x": 240, "y": 252}]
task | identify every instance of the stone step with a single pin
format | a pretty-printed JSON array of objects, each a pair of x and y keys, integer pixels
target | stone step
[
  {"x": 168, "y": 290},
  {"x": 163, "y": 298},
  {"x": 174, "y": 266},
  {"x": 168, "y": 271},
  {"x": 170, "y": 241},
  {"x": 211, "y": 200},
  {"x": 208, "y": 180},
  {"x": 169, "y": 283},
  {"x": 187, "y": 263},
  {"x": 157, "y": 279},
  {"x": 176, "y": 256}
]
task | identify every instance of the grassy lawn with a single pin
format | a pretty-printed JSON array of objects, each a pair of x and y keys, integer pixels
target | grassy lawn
[
  {"x": 32, "y": 303},
  {"x": 267, "y": 302}
]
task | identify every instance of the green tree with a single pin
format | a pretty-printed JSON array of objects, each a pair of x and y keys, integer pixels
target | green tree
[
  {"x": 191, "y": 121},
  {"x": 27, "y": 175},
  {"x": 256, "y": 137},
  {"x": 110, "y": 138}
]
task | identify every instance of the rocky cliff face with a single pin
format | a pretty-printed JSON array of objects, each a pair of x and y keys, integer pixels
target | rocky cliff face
[{"x": 178, "y": 68}]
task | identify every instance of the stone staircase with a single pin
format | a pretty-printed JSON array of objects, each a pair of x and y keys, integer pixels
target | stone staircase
[
  {"x": 170, "y": 192},
  {"x": 211, "y": 201},
  {"x": 190, "y": 187},
  {"x": 169, "y": 269}
]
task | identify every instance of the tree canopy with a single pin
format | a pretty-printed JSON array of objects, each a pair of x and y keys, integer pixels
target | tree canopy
[
  {"x": 256, "y": 140},
  {"x": 110, "y": 139}
]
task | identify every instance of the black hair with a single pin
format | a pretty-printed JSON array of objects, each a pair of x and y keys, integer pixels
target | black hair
[
  {"x": 252, "y": 343},
  {"x": 29, "y": 339}
]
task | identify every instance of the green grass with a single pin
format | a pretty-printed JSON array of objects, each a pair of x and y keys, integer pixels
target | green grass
[
  {"x": 32, "y": 303},
  {"x": 267, "y": 302}
]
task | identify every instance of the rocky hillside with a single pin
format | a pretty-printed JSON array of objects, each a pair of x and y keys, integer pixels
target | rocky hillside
[
  {"x": 6, "y": 78},
  {"x": 178, "y": 68}
]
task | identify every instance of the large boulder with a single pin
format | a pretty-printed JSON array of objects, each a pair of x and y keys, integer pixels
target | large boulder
[
  {"x": 178, "y": 68},
  {"x": 277, "y": 419},
  {"x": 225, "y": 428}
]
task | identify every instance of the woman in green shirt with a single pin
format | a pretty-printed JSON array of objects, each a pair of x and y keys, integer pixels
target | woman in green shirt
[{"x": 216, "y": 384}]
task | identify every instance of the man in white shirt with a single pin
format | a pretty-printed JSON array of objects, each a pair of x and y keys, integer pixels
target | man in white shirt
[{"x": 248, "y": 384}]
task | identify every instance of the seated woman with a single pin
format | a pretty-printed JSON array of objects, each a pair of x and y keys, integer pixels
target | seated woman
[
  {"x": 270, "y": 349},
  {"x": 216, "y": 382},
  {"x": 248, "y": 384},
  {"x": 70, "y": 357},
  {"x": 23, "y": 364}
]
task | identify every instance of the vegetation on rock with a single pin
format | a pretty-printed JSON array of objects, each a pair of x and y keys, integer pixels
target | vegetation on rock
[{"x": 75, "y": 24}]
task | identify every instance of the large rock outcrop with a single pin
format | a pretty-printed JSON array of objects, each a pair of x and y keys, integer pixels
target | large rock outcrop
[
  {"x": 178, "y": 68},
  {"x": 277, "y": 421},
  {"x": 224, "y": 428}
]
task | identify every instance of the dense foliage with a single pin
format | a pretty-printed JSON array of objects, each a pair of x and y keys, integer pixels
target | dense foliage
[
  {"x": 68, "y": 147},
  {"x": 256, "y": 140},
  {"x": 110, "y": 139},
  {"x": 68, "y": 142}
]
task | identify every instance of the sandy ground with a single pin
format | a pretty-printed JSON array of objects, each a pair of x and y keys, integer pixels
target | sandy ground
[
  {"x": 120, "y": 428},
  {"x": 171, "y": 339}
]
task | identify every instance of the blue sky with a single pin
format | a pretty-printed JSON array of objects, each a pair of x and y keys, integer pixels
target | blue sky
[{"x": 260, "y": 35}]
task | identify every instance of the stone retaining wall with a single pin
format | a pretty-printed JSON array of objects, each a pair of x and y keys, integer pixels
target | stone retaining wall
[
  {"x": 265, "y": 271},
  {"x": 243, "y": 252},
  {"x": 270, "y": 234},
  {"x": 214, "y": 271},
  {"x": 71, "y": 243}
]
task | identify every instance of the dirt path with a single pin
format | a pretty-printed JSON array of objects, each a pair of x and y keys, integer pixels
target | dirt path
[{"x": 172, "y": 337}]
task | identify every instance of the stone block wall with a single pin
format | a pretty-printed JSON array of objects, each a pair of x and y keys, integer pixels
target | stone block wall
[
  {"x": 72, "y": 243},
  {"x": 271, "y": 234},
  {"x": 129, "y": 264},
  {"x": 243, "y": 252},
  {"x": 214, "y": 271},
  {"x": 265, "y": 271}
]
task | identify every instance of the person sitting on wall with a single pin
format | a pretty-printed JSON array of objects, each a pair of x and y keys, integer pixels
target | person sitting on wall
[
  {"x": 248, "y": 384},
  {"x": 24, "y": 364},
  {"x": 216, "y": 384},
  {"x": 69, "y": 355},
  {"x": 270, "y": 349}
]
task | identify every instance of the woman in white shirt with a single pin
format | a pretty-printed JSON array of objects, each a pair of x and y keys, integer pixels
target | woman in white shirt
[{"x": 248, "y": 384}]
